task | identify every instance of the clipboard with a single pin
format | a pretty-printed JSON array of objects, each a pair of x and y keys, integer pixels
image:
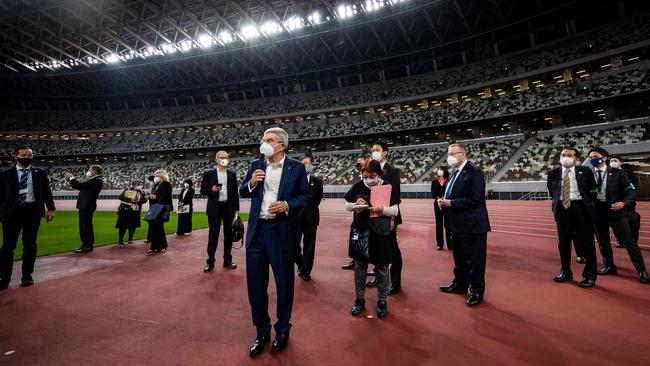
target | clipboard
[{"x": 380, "y": 196}]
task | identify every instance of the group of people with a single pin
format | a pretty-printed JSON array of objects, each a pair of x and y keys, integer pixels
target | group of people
[{"x": 284, "y": 212}]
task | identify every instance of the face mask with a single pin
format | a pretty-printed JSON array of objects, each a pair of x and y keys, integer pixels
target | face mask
[
  {"x": 452, "y": 160},
  {"x": 25, "y": 162},
  {"x": 376, "y": 155},
  {"x": 186, "y": 185},
  {"x": 156, "y": 179},
  {"x": 441, "y": 173},
  {"x": 267, "y": 149},
  {"x": 615, "y": 164},
  {"x": 309, "y": 168},
  {"x": 566, "y": 161},
  {"x": 595, "y": 162},
  {"x": 371, "y": 182},
  {"x": 89, "y": 174},
  {"x": 224, "y": 162}
]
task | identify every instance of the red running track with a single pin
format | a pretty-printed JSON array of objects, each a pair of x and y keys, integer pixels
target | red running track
[{"x": 117, "y": 306}]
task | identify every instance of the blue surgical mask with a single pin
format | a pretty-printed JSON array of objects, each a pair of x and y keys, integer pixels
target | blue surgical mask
[{"x": 595, "y": 162}]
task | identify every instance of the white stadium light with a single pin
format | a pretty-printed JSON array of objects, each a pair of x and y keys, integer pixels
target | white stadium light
[
  {"x": 168, "y": 48},
  {"x": 226, "y": 37},
  {"x": 205, "y": 40},
  {"x": 249, "y": 32},
  {"x": 346, "y": 11},
  {"x": 294, "y": 23},
  {"x": 112, "y": 58},
  {"x": 314, "y": 18},
  {"x": 185, "y": 45},
  {"x": 269, "y": 28}
]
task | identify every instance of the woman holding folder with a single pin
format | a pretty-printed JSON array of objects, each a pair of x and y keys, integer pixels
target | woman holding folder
[
  {"x": 128, "y": 214},
  {"x": 185, "y": 209},
  {"x": 374, "y": 207}
]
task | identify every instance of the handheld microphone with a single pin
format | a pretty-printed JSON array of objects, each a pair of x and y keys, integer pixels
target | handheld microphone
[{"x": 261, "y": 162}]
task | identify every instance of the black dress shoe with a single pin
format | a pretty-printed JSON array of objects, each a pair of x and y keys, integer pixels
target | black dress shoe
[
  {"x": 587, "y": 282},
  {"x": 26, "y": 281},
  {"x": 439, "y": 247},
  {"x": 371, "y": 273},
  {"x": 372, "y": 283},
  {"x": 83, "y": 250},
  {"x": 208, "y": 268},
  {"x": 359, "y": 305},
  {"x": 257, "y": 347},
  {"x": 348, "y": 266},
  {"x": 394, "y": 290},
  {"x": 305, "y": 277},
  {"x": 382, "y": 309},
  {"x": 229, "y": 265},
  {"x": 619, "y": 245},
  {"x": 643, "y": 277},
  {"x": 581, "y": 260},
  {"x": 563, "y": 277},
  {"x": 474, "y": 299},
  {"x": 454, "y": 288},
  {"x": 607, "y": 270},
  {"x": 279, "y": 343}
]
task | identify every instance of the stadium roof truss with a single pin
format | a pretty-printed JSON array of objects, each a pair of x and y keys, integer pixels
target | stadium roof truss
[{"x": 122, "y": 46}]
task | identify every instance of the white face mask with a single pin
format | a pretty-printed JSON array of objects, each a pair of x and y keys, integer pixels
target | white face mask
[
  {"x": 309, "y": 168},
  {"x": 267, "y": 149},
  {"x": 566, "y": 161},
  {"x": 615, "y": 164},
  {"x": 452, "y": 160},
  {"x": 156, "y": 179},
  {"x": 441, "y": 173},
  {"x": 139, "y": 187},
  {"x": 376, "y": 155},
  {"x": 89, "y": 174},
  {"x": 371, "y": 182},
  {"x": 186, "y": 185},
  {"x": 224, "y": 162}
]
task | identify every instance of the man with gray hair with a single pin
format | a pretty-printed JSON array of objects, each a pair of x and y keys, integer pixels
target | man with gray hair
[
  {"x": 278, "y": 189},
  {"x": 87, "y": 204}
]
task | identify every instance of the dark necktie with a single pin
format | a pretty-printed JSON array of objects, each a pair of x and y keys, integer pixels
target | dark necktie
[
  {"x": 599, "y": 180},
  {"x": 22, "y": 185}
]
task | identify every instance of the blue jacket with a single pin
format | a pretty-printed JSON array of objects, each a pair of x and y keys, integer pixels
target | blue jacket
[
  {"x": 293, "y": 188},
  {"x": 468, "y": 213}
]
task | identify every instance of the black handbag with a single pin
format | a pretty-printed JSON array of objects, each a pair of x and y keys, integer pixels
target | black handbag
[
  {"x": 157, "y": 213},
  {"x": 635, "y": 224},
  {"x": 358, "y": 246},
  {"x": 238, "y": 231}
]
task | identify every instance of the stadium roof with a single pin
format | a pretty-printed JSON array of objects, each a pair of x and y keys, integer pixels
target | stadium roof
[{"x": 113, "y": 47}]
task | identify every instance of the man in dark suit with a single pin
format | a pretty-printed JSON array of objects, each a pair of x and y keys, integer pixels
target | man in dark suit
[
  {"x": 87, "y": 204},
  {"x": 220, "y": 186},
  {"x": 616, "y": 194},
  {"x": 361, "y": 161},
  {"x": 24, "y": 191},
  {"x": 277, "y": 186},
  {"x": 464, "y": 202},
  {"x": 573, "y": 189},
  {"x": 309, "y": 220},
  {"x": 617, "y": 162},
  {"x": 392, "y": 176}
]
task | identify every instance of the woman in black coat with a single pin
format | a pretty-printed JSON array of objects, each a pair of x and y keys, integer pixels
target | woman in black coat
[
  {"x": 378, "y": 229},
  {"x": 185, "y": 202},
  {"x": 160, "y": 193},
  {"x": 128, "y": 214},
  {"x": 438, "y": 188}
]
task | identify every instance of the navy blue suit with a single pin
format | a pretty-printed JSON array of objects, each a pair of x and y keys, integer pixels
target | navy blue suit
[
  {"x": 273, "y": 242},
  {"x": 469, "y": 224}
]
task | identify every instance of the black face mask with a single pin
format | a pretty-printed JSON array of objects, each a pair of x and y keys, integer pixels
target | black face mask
[{"x": 25, "y": 162}]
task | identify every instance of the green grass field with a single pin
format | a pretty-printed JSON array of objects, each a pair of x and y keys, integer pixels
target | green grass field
[{"x": 62, "y": 234}]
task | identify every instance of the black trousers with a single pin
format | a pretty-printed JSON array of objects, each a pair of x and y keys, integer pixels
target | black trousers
[
  {"x": 442, "y": 228},
  {"x": 470, "y": 252},
  {"x": 265, "y": 249},
  {"x": 214, "y": 222},
  {"x": 620, "y": 223},
  {"x": 304, "y": 257},
  {"x": 123, "y": 230},
  {"x": 158, "y": 236},
  {"x": 571, "y": 222},
  {"x": 27, "y": 220},
  {"x": 86, "y": 230},
  {"x": 396, "y": 260}
]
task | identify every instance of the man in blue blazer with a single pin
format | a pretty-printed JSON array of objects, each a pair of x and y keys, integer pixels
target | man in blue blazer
[
  {"x": 464, "y": 203},
  {"x": 277, "y": 186}
]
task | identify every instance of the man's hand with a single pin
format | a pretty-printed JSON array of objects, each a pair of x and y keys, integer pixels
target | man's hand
[
  {"x": 444, "y": 203},
  {"x": 361, "y": 202},
  {"x": 67, "y": 175},
  {"x": 278, "y": 207},
  {"x": 216, "y": 188},
  {"x": 376, "y": 209},
  {"x": 50, "y": 215},
  {"x": 618, "y": 206},
  {"x": 257, "y": 177}
]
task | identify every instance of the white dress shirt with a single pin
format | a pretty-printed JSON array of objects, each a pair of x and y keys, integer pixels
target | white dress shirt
[
  {"x": 223, "y": 179},
  {"x": 271, "y": 187},
  {"x": 30, "y": 184},
  {"x": 602, "y": 194},
  {"x": 575, "y": 192},
  {"x": 450, "y": 186}
]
